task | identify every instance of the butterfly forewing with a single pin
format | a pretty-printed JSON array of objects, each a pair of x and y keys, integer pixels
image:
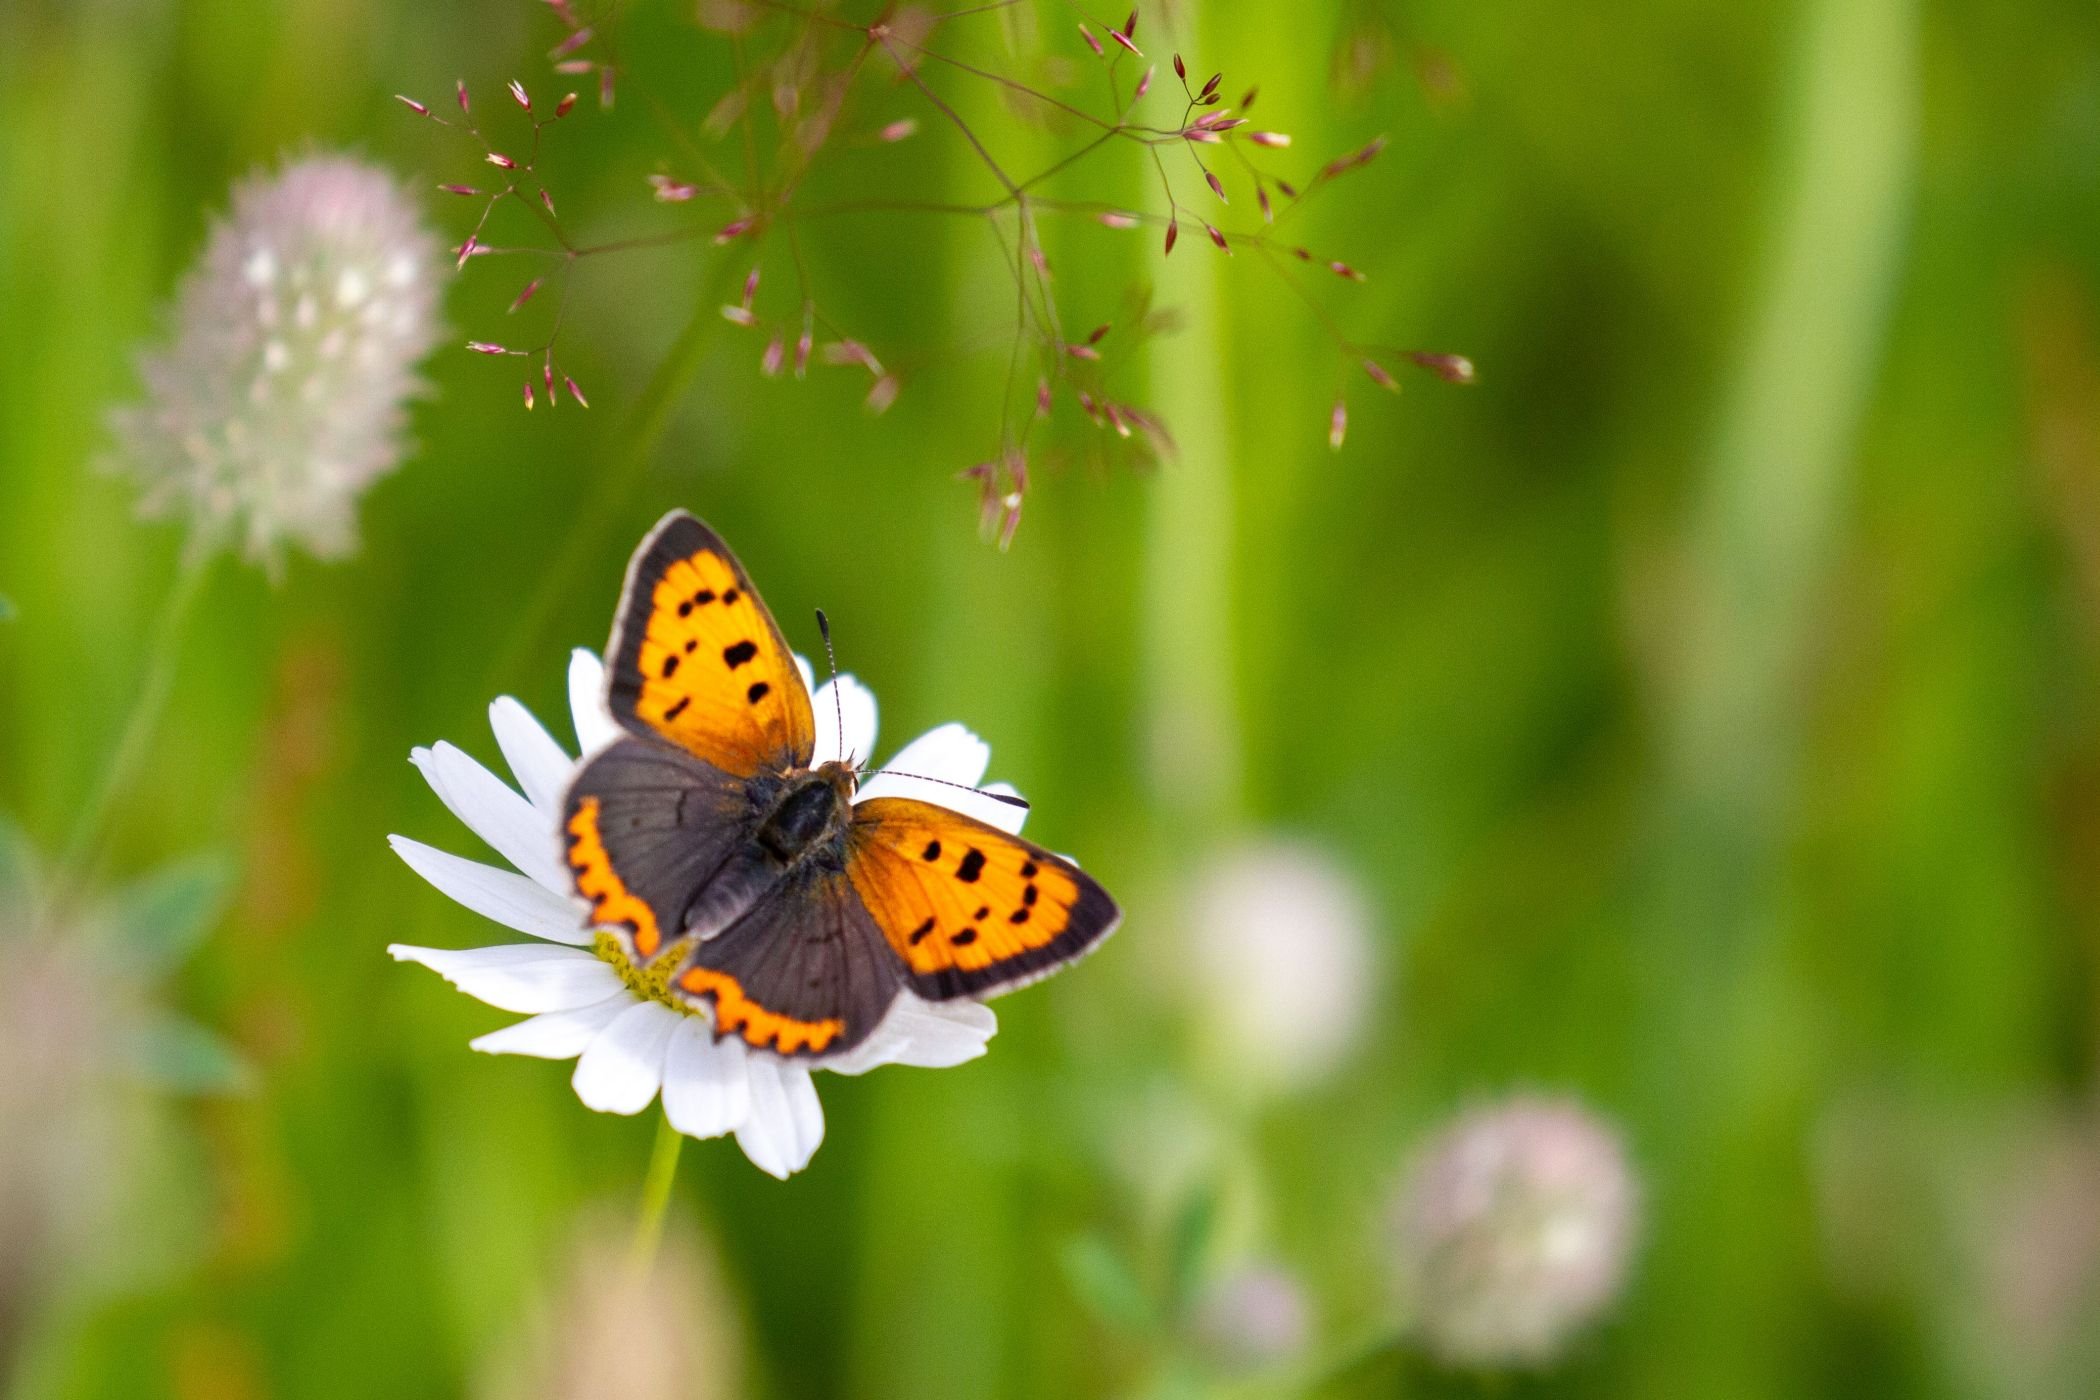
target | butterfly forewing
[
  {"x": 967, "y": 908},
  {"x": 696, "y": 659}
]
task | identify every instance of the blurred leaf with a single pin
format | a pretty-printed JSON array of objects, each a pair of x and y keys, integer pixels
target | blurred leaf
[
  {"x": 161, "y": 917},
  {"x": 1105, "y": 1283},
  {"x": 1189, "y": 1246},
  {"x": 182, "y": 1057}
]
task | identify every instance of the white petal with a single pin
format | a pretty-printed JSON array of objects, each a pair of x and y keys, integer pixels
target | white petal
[
  {"x": 848, "y": 700},
  {"x": 595, "y": 726},
  {"x": 536, "y": 761},
  {"x": 929, "y": 1034},
  {"x": 509, "y": 898},
  {"x": 707, "y": 1087},
  {"x": 809, "y": 677},
  {"x": 622, "y": 1069},
  {"x": 557, "y": 1035},
  {"x": 517, "y": 830},
  {"x": 527, "y": 977},
  {"x": 950, "y": 753},
  {"x": 786, "y": 1121}
]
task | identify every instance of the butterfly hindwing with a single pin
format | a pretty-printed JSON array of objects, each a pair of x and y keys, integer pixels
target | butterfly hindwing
[
  {"x": 648, "y": 828},
  {"x": 696, "y": 659},
  {"x": 805, "y": 972},
  {"x": 968, "y": 909}
]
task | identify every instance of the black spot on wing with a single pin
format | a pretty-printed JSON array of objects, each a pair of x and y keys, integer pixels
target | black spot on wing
[
  {"x": 759, "y": 690},
  {"x": 735, "y": 656},
  {"x": 972, "y": 866},
  {"x": 932, "y": 851}
]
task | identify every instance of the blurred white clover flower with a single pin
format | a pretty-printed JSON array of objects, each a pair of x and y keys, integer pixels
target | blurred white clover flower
[
  {"x": 279, "y": 394},
  {"x": 1255, "y": 1316},
  {"x": 1283, "y": 919},
  {"x": 580, "y": 1341},
  {"x": 628, "y": 1047},
  {"x": 91, "y": 1196},
  {"x": 1515, "y": 1227}
]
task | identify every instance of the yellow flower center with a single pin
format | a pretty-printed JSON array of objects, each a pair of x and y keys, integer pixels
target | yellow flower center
[{"x": 650, "y": 981}]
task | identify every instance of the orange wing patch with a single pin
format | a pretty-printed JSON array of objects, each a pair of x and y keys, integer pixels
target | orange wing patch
[
  {"x": 697, "y": 659},
  {"x": 738, "y": 1014},
  {"x": 969, "y": 909},
  {"x": 612, "y": 904}
]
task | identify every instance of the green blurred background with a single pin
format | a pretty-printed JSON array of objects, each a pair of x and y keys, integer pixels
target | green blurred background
[{"x": 1705, "y": 700}]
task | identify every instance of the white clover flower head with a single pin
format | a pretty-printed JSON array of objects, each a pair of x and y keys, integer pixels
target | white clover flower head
[
  {"x": 1515, "y": 1229},
  {"x": 1255, "y": 1316},
  {"x": 1281, "y": 970},
  {"x": 630, "y": 1041},
  {"x": 579, "y": 1340},
  {"x": 279, "y": 394}
]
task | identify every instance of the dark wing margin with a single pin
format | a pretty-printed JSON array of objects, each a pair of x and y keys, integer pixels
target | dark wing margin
[
  {"x": 696, "y": 659},
  {"x": 805, "y": 972}
]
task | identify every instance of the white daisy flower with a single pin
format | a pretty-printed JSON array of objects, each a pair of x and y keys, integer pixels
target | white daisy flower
[{"x": 583, "y": 1001}]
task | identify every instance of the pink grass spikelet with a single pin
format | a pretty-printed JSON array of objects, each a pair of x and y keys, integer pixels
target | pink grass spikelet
[
  {"x": 574, "y": 392},
  {"x": 279, "y": 394},
  {"x": 1173, "y": 234},
  {"x": 1271, "y": 139},
  {"x": 466, "y": 190},
  {"x": 1144, "y": 84},
  {"x": 500, "y": 160},
  {"x": 1124, "y": 39},
  {"x": 546, "y": 201},
  {"x": 733, "y": 230},
  {"x": 776, "y": 351},
  {"x": 1345, "y": 271},
  {"x": 460, "y": 87},
  {"x": 414, "y": 106},
  {"x": 1452, "y": 369},
  {"x": 565, "y": 106},
  {"x": 739, "y": 315},
  {"x": 519, "y": 95},
  {"x": 803, "y": 343},
  {"x": 881, "y": 394},
  {"x": 486, "y": 347},
  {"x": 1380, "y": 376},
  {"x": 528, "y": 396},
  {"x": 899, "y": 130},
  {"x": 1338, "y": 425},
  {"x": 571, "y": 44},
  {"x": 1042, "y": 398},
  {"x": 1217, "y": 186},
  {"x": 1181, "y": 70},
  {"x": 1116, "y": 218},
  {"x": 531, "y": 288},
  {"x": 1091, "y": 42},
  {"x": 1217, "y": 238}
]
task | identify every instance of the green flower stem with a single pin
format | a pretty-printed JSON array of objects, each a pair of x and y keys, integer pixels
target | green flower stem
[
  {"x": 164, "y": 645},
  {"x": 656, "y": 1192}
]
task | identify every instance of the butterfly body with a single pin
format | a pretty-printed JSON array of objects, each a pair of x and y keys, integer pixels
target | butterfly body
[{"x": 721, "y": 854}]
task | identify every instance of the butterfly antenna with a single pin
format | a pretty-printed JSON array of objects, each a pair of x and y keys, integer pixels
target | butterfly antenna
[
  {"x": 838, "y": 696},
  {"x": 1011, "y": 799}
]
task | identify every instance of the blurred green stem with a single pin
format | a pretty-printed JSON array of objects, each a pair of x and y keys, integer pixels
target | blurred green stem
[
  {"x": 608, "y": 492},
  {"x": 656, "y": 1192},
  {"x": 163, "y": 646}
]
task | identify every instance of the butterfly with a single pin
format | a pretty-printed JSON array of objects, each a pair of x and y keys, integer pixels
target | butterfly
[{"x": 748, "y": 880}]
